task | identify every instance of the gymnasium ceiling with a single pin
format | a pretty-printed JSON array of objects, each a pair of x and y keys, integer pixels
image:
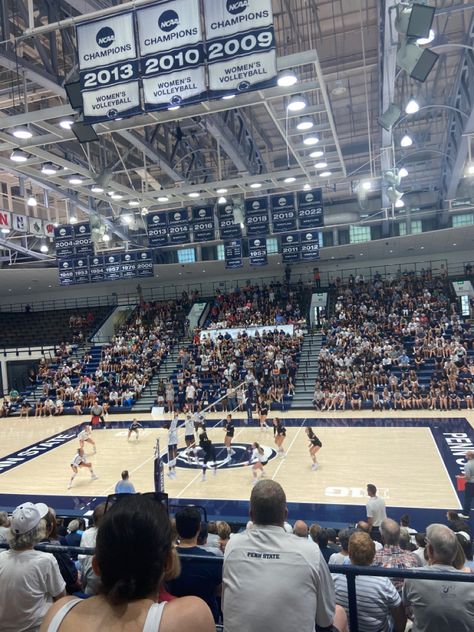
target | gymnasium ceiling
[{"x": 343, "y": 52}]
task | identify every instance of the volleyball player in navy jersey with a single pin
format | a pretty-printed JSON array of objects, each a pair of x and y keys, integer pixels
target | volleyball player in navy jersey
[
  {"x": 314, "y": 446},
  {"x": 229, "y": 429},
  {"x": 279, "y": 432}
]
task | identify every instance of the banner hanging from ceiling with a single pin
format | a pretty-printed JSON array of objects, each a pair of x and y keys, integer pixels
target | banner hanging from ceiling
[
  {"x": 256, "y": 216},
  {"x": 157, "y": 229},
  {"x": 96, "y": 268},
  {"x": 83, "y": 239},
  {"x": 178, "y": 226},
  {"x": 309, "y": 246},
  {"x": 228, "y": 227},
  {"x": 203, "y": 223},
  {"x": 290, "y": 248},
  {"x": 283, "y": 212},
  {"x": 310, "y": 209},
  {"x": 108, "y": 68},
  {"x": 233, "y": 254},
  {"x": 172, "y": 64},
  {"x": 240, "y": 45},
  {"x": 258, "y": 251}
]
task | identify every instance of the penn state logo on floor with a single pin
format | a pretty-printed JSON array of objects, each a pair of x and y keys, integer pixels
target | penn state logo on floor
[{"x": 240, "y": 458}]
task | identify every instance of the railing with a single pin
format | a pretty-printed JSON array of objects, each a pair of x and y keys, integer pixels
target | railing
[{"x": 351, "y": 572}]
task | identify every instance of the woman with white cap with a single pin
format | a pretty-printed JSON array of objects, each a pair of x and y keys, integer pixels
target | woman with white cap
[{"x": 29, "y": 580}]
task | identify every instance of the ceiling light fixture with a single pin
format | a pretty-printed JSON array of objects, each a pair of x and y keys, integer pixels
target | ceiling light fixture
[
  {"x": 296, "y": 103},
  {"x": 222, "y": 200},
  {"x": 307, "y": 187},
  {"x": 399, "y": 204},
  {"x": 194, "y": 194},
  {"x": 304, "y": 123},
  {"x": 66, "y": 123},
  {"x": 44, "y": 248},
  {"x": 163, "y": 198},
  {"x": 422, "y": 41},
  {"x": 116, "y": 196},
  {"x": 286, "y": 79},
  {"x": 256, "y": 185},
  {"x": 366, "y": 185},
  {"x": 31, "y": 201},
  {"x": 95, "y": 188},
  {"x": 228, "y": 96},
  {"x": 127, "y": 219},
  {"x": 144, "y": 210},
  {"x": 289, "y": 179},
  {"x": 18, "y": 155},
  {"x": 75, "y": 180},
  {"x": 403, "y": 172},
  {"x": 321, "y": 165},
  {"x": 412, "y": 106},
  {"x": 22, "y": 132},
  {"x": 325, "y": 174},
  {"x": 5, "y": 230},
  {"x": 73, "y": 219},
  {"x": 221, "y": 191},
  {"x": 173, "y": 107},
  {"x": 134, "y": 203},
  {"x": 317, "y": 154},
  {"x": 470, "y": 169},
  {"x": 311, "y": 140},
  {"x": 48, "y": 169},
  {"x": 106, "y": 237},
  {"x": 407, "y": 140}
]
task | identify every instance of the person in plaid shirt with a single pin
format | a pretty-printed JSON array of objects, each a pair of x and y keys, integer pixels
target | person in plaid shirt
[{"x": 392, "y": 556}]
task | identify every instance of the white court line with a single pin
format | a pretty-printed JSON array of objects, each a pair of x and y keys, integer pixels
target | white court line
[
  {"x": 289, "y": 448},
  {"x": 445, "y": 468}
]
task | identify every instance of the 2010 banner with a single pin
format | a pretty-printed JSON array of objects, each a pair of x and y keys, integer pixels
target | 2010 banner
[
  {"x": 258, "y": 251},
  {"x": 240, "y": 45},
  {"x": 108, "y": 68},
  {"x": 172, "y": 64}
]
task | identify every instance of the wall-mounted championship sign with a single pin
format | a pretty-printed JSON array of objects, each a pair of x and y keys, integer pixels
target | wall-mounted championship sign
[
  {"x": 283, "y": 212},
  {"x": 290, "y": 248},
  {"x": 108, "y": 68},
  {"x": 83, "y": 239},
  {"x": 81, "y": 270},
  {"x": 64, "y": 241},
  {"x": 310, "y": 209},
  {"x": 178, "y": 226},
  {"x": 144, "y": 263},
  {"x": 233, "y": 253},
  {"x": 227, "y": 225},
  {"x": 157, "y": 229},
  {"x": 203, "y": 223},
  {"x": 240, "y": 45},
  {"x": 258, "y": 251},
  {"x": 256, "y": 216},
  {"x": 309, "y": 245},
  {"x": 172, "y": 64},
  {"x": 66, "y": 272},
  {"x": 96, "y": 268}
]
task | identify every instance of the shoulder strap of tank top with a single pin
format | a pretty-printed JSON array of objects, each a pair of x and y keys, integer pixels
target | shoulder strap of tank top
[
  {"x": 153, "y": 619},
  {"x": 61, "y": 614}
]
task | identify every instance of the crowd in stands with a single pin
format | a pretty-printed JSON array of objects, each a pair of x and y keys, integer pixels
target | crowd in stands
[
  {"x": 396, "y": 344},
  {"x": 145, "y": 563}
]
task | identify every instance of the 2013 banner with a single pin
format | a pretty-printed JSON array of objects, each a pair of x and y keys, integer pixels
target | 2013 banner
[
  {"x": 172, "y": 64},
  {"x": 240, "y": 45},
  {"x": 283, "y": 212},
  {"x": 310, "y": 209},
  {"x": 258, "y": 251},
  {"x": 256, "y": 216},
  {"x": 157, "y": 229},
  {"x": 203, "y": 223},
  {"x": 108, "y": 68},
  {"x": 233, "y": 253}
]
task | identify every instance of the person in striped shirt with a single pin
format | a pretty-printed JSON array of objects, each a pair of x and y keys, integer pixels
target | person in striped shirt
[{"x": 379, "y": 607}]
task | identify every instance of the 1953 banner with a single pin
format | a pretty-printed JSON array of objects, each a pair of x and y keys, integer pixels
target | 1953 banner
[
  {"x": 172, "y": 63},
  {"x": 258, "y": 251},
  {"x": 240, "y": 45},
  {"x": 108, "y": 68}
]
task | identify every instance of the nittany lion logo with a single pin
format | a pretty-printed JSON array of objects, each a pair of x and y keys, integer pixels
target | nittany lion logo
[
  {"x": 241, "y": 458},
  {"x": 65, "y": 265},
  {"x": 143, "y": 255},
  {"x": 127, "y": 257},
  {"x": 80, "y": 263},
  {"x": 156, "y": 219},
  {"x": 95, "y": 261}
]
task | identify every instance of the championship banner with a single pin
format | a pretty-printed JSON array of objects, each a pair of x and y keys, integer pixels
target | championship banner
[
  {"x": 257, "y": 217},
  {"x": 83, "y": 239},
  {"x": 233, "y": 253},
  {"x": 108, "y": 68},
  {"x": 310, "y": 209},
  {"x": 240, "y": 45},
  {"x": 172, "y": 64},
  {"x": 283, "y": 213},
  {"x": 64, "y": 242},
  {"x": 290, "y": 248},
  {"x": 227, "y": 226},
  {"x": 96, "y": 268},
  {"x": 258, "y": 251},
  {"x": 81, "y": 270},
  {"x": 128, "y": 265},
  {"x": 203, "y": 223},
  {"x": 178, "y": 226},
  {"x": 66, "y": 272},
  {"x": 144, "y": 263},
  {"x": 112, "y": 266},
  {"x": 309, "y": 246},
  {"x": 157, "y": 229}
]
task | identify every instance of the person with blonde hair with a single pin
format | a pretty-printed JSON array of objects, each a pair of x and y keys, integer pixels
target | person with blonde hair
[{"x": 223, "y": 531}]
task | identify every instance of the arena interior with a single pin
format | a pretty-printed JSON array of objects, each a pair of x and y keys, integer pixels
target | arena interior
[{"x": 237, "y": 245}]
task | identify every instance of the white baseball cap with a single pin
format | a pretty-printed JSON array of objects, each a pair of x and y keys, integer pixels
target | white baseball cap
[{"x": 27, "y": 516}]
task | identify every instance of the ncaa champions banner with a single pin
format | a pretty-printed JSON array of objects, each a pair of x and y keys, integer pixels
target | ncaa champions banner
[
  {"x": 233, "y": 254},
  {"x": 66, "y": 272},
  {"x": 256, "y": 216},
  {"x": 310, "y": 209},
  {"x": 290, "y": 248},
  {"x": 96, "y": 268},
  {"x": 258, "y": 251},
  {"x": 309, "y": 246},
  {"x": 283, "y": 213},
  {"x": 240, "y": 45},
  {"x": 227, "y": 226},
  {"x": 81, "y": 270},
  {"x": 64, "y": 241},
  {"x": 203, "y": 223},
  {"x": 157, "y": 229},
  {"x": 83, "y": 239},
  {"x": 108, "y": 68},
  {"x": 178, "y": 226},
  {"x": 172, "y": 54},
  {"x": 144, "y": 263}
]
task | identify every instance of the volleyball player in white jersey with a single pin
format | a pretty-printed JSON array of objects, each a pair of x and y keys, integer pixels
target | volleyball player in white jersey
[
  {"x": 189, "y": 434},
  {"x": 80, "y": 461},
  {"x": 172, "y": 445},
  {"x": 257, "y": 460},
  {"x": 85, "y": 437}
]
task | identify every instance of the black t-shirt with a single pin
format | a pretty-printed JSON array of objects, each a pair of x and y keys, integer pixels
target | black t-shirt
[
  {"x": 279, "y": 430},
  {"x": 316, "y": 441},
  {"x": 229, "y": 429}
]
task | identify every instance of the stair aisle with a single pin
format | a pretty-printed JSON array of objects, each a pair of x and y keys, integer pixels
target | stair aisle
[{"x": 307, "y": 371}]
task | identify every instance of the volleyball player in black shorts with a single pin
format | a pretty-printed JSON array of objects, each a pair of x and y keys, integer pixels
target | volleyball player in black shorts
[
  {"x": 229, "y": 435},
  {"x": 134, "y": 427},
  {"x": 279, "y": 432},
  {"x": 314, "y": 446},
  {"x": 209, "y": 454},
  {"x": 263, "y": 412}
]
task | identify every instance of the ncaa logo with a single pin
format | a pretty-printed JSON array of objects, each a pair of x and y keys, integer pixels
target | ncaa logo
[
  {"x": 111, "y": 259},
  {"x": 177, "y": 217},
  {"x": 282, "y": 201},
  {"x": 156, "y": 219},
  {"x": 127, "y": 257},
  {"x": 62, "y": 232},
  {"x": 80, "y": 263},
  {"x": 112, "y": 113},
  {"x": 257, "y": 243},
  {"x": 243, "y": 453},
  {"x": 175, "y": 100},
  {"x": 143, "y": 255},
  {"x": 289, "y": 239},
  {"x": 309, "y": 197},
  {"x": 82, "y": 229},
  {"x": 95, "y": 261},
  {"x": 168, "y": 21},
  {"x": 65, "y": 265},
  {"x": 202, "y": 212},
  {"x": 309, "y": 236},
  {"x": 105, "y": 37},
  {"x": 228, "y": 209},
  {"x": 243, "y": 85},
  {"x": 237, "y": 6},
  {"x": 256, "y": 205}
]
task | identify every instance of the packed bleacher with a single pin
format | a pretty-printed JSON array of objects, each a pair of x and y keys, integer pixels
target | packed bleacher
[{"x": 395, "y": 344}]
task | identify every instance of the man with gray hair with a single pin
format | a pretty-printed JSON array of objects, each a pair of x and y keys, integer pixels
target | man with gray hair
[
  {"x": 300, "y": 529},
  {"x": 272, "y": 580},
  {"x": 392, "y": 555},
  {"x": 29, "y": 580},
  {"x": 469, "y": 489},
  {"x": 440, "y": 605}
]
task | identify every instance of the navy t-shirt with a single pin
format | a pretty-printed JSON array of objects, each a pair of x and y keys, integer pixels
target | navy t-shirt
[{"x": 197, "y": 578}]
